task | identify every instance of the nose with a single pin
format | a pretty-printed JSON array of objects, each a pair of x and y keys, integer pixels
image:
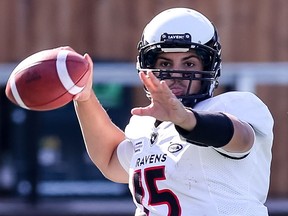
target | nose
[
  {"x": 176, "y": 74},
  {"x": 177, "y": 67}
]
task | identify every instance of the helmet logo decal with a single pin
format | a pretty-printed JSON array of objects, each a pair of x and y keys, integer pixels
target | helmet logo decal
[{"x": 178, "y": 37}]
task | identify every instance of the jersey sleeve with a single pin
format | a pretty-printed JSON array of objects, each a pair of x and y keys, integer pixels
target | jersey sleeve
[
  {"x": 246, "y": 106},
  {"x": 249, "y": 108},
  {"x": 136, "y": 129},
  {"x": 125, "y": 153}
]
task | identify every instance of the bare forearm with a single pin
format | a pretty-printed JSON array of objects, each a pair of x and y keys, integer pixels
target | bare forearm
[{"x": 101, "y": 136}]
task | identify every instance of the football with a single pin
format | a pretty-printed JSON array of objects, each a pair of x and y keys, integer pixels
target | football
[{"x": 48, "y": 79}]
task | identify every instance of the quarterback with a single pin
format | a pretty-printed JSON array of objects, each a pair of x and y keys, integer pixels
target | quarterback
[{"x": 188, "y": 152}]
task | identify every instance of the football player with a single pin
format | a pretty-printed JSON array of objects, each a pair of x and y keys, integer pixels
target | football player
[{"x": 188, "y": 152}]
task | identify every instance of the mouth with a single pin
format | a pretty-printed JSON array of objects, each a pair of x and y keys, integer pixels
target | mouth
[{"x": 177, "y": 91}]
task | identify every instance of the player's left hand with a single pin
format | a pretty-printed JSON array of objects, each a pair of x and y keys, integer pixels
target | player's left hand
[
  {"x": 164, "y": 104},
  {"x": 85, "y": 94}
]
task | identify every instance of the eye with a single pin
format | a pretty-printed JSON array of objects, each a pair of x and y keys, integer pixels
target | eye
[
  {"x": 165, "y": 64},
  {"x": 190, "y": 64},
  {"x": 193, "y": 63}
]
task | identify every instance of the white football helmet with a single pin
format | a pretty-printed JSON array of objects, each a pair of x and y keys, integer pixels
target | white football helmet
[{"x": 182, "y": 30}]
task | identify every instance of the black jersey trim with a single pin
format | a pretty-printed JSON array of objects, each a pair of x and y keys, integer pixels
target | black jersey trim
[
  {"x": 157, "y": 123},
  {"x": 231, "y": 157}
]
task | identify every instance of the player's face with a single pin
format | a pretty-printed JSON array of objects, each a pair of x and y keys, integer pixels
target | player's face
[{"x": 180, "y": 61}]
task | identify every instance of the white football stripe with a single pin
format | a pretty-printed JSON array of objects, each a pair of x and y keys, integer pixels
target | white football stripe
[
  {"x": 16, "y": 93},
  {"x": 64, "y": 75}
]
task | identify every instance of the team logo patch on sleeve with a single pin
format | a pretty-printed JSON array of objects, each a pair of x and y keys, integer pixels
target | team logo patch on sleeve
[{"x": 175, "y": 147}]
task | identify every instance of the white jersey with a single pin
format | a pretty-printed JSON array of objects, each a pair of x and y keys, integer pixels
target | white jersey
[{"x": 171, "y": 177}]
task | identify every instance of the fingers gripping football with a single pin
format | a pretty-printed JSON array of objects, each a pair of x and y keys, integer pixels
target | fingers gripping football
[{"x": 86, "y": 92}]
